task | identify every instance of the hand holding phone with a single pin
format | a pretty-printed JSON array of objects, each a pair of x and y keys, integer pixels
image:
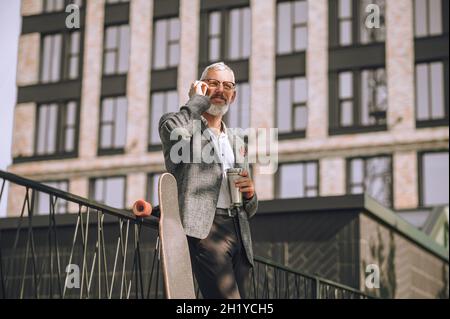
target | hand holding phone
[{"x": 198, "y": 87}]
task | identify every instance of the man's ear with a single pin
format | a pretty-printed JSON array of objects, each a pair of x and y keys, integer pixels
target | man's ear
[{"x": 233, "y": 97}]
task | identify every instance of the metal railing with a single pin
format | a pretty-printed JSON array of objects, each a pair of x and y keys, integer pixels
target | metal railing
[
  {"x": 272, "y": 280},
  {"x": 103, "y": 252}
]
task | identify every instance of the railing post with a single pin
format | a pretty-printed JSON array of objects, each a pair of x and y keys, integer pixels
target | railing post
[{"x": 317, "y": 288}]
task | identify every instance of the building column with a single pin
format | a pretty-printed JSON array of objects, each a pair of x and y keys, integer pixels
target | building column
[
  {"x": 78, "y": 186},
  {"x": 136, "y": 188},
  {"x": 28, "y": 59},
  {"x": 92, "y": 78},
  {"x": 31, "y": 7},
  {"x": 405, "y": 175},
  {"x": 332, "y": 176},
  {"x": 262, "y": 79},
  {"x": 24, "y": 130},
  {"x": 400, "y": 65},
  {"x": 138, "y": 79},
  {"x": 317, "y": 69},
  {"x": 189, "y": 44}
]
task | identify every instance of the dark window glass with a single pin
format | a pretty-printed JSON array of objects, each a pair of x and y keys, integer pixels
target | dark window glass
[
  {"x": 298, "y": 180},
  {"x": 292, "y": 111},
  {"x": 237, "y": 45},
  {"x": 56, "y": 131},
  {"x": 116, "y": 1},
  {"x": 366, "y": 108},
  {"x": 113, "y": 123},
  {"x": 152, "y": 187},
  {"x": 60, "y": 57},
  {"x": 373, "y": 176},
  {"x": 355, "y": 19},
  {"x": 434, "y": 188},
  {"x": 109, "y": 191},
  {"x": 238, "y": 115},
  {"x": 42, "y": 203},
  {"x": 430, "y": 97},
  {"x": 161, "y": 103},
  {"x": 59, "y": 5},
  {"x": 427, "y": 18},
  {"x": 166, "y": 46},
  {"x": 116, "y": 50},
  {"x": 292, "y": 27}
]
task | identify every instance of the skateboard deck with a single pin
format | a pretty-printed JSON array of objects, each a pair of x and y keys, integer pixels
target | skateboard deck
[{"x": 176, "y": 261}]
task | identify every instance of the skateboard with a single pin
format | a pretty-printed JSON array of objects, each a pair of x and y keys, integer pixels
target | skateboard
[{"x": 176, "y": 261}]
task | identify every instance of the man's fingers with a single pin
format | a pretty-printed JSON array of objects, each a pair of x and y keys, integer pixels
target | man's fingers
[
  {"x": 244, "y": 173},
  {"x": 245, "y": 189}
]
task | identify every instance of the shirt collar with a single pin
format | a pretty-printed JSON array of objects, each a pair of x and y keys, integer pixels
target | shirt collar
[{"x": 223, "y": 130}]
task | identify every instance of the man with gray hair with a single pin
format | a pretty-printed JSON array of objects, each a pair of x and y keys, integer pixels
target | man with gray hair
[{"x": 219, "y": 238}]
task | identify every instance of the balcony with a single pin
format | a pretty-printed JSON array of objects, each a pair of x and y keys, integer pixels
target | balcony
[{"x": 102, "y": 252}]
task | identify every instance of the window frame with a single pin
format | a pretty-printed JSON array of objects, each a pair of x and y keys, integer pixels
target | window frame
[
  {"x": 92, "y": 181},
  {"x": 119, "y": 25},
  {"x": 365, "y": 158},
  {"x": 64, "y": 61},
  {"x": 111, "y": 150},
  {"x": 335, "y": 127},
  {"x": 278, "y": 182},
  {"x": 444, "y": 121},
  {"x": 293, "y": 27},
  {"x": 293, "y": 133},
  {"x": 156, "y": 147},
  {"x": 420, "y": 172},
  {"x": 60, "y": 131},
  {"x": 168, "y": 43},
  {"x": 356, "y": 18},
  {"x": 38, "y": 193}
]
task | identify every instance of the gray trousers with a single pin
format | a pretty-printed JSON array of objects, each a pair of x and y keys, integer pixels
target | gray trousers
[{"x": 219, "y": 261}]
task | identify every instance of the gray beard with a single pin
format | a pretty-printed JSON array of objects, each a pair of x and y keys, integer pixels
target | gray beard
[{"x": 218, "y": 110}]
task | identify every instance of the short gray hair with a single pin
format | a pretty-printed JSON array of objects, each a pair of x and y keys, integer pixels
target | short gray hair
[{"x": 219, "y": 66}]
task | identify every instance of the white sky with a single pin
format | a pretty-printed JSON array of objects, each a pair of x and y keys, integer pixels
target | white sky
[{"x": 10, "y": 22}]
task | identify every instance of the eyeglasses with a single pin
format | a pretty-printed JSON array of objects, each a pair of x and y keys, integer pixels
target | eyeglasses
[{"x": 227, "y": 85}]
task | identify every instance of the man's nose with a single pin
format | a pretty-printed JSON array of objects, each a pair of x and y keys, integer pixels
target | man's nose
[{"x": 219, "y": 88}]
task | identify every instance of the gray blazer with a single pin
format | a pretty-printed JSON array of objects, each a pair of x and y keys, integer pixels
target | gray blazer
[{"x": 199, "y": 182}]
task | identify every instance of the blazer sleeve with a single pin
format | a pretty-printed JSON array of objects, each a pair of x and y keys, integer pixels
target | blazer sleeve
[{"x": 182, "y": 120}]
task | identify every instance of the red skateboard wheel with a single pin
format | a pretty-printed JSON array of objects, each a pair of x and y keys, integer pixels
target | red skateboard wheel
[{"x": 141, "y": 208}]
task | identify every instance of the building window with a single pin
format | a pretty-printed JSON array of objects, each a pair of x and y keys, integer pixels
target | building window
[
  {"x": 116, "y": 1},
  {"x": 109, "y": 191},
  {"x": 57, "y": 128},
  {"x": 298, "y": 180},
  {"x": 434, "y": 179},
  {"x": 113, "y": 123},
  {"x": 42, "y": 203},
  {"x": 238, "y": 115},
  {"x": 161, "y": 103},
  {"x": 236, "y": 45},
  {"x": 59, "y": 5},
  {"x": 292, "y": 111},
  {"x": 373, "y": 176},
  {"x": 152, "y": 188},
  {"x": 430, "y": 95},
  {"x": 362, "y": 98},
  {"x": 166, "y": 46},
  {"x": 427, "y": 18},
  {"x": 116, "y": 50},
  {"x": 352, "y": 27},
  {"x": 292, "y": 26},
  {"x": 60, "y": 57}
]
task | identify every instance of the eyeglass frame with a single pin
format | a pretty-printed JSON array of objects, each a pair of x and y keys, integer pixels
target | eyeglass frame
[{"x": 222, "y": 82}]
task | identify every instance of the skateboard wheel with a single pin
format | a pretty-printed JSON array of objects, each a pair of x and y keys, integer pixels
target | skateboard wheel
[{"x": 141, "y": 208}]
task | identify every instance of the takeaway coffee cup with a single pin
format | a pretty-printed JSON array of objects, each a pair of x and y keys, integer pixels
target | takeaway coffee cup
[{"x": 233, "y": 174}]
